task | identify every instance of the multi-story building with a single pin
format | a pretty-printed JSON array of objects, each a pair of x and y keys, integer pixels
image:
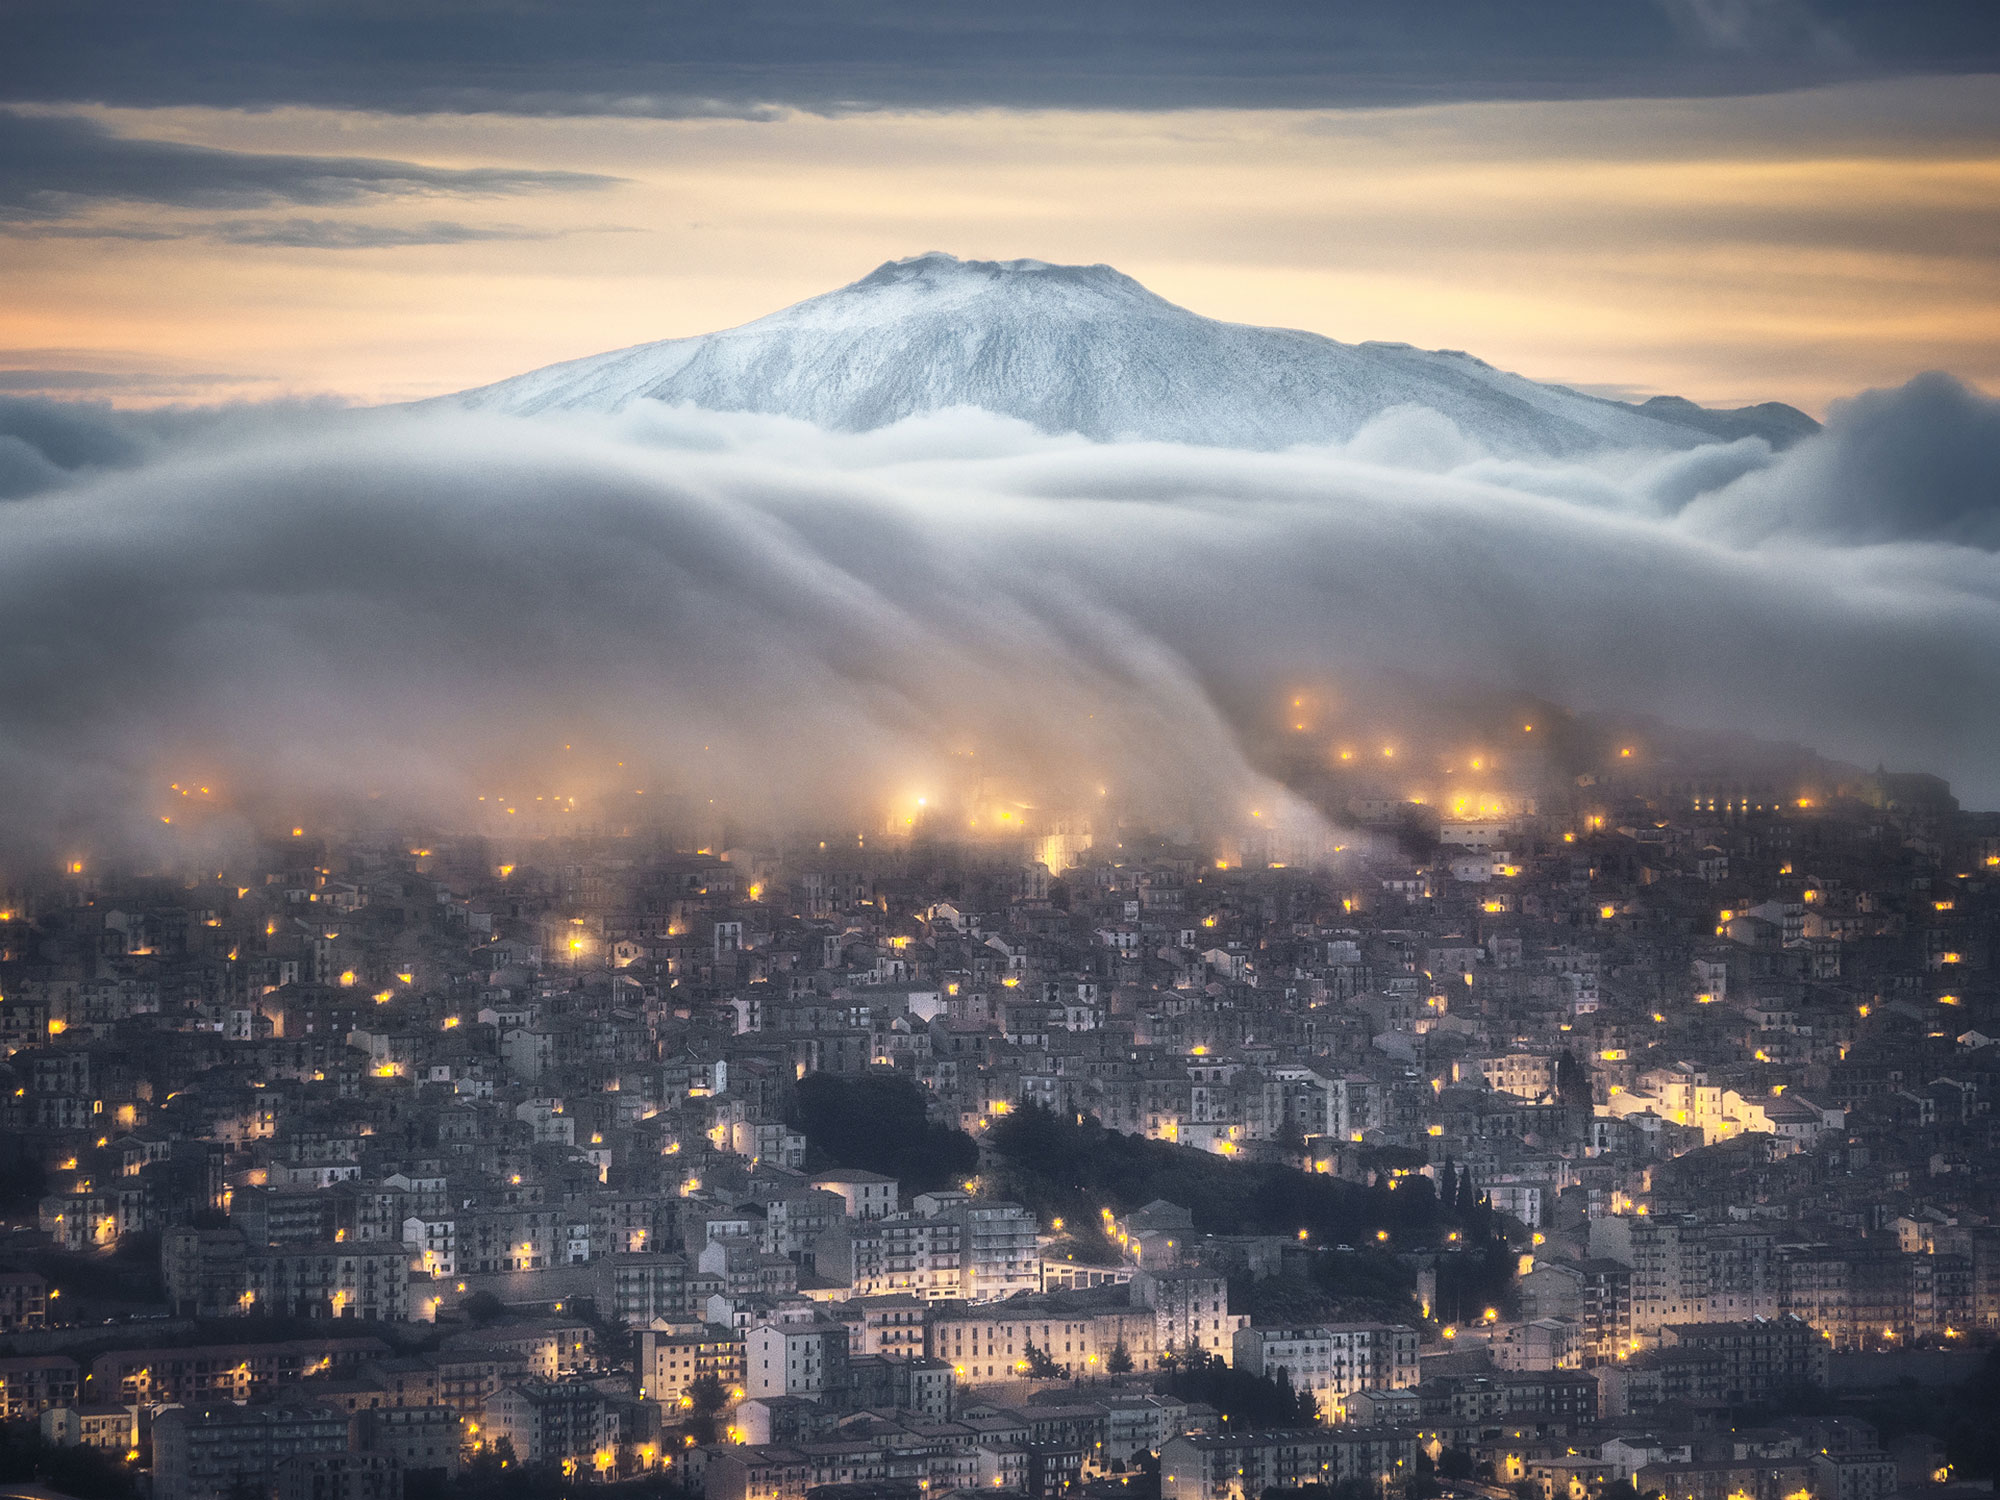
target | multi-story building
[
  {"x": 216, "y": 1273},
  {"x": 1540, "y": 1344},
  {"x": 885, "y": 1382},
  {"x": 470, "y": 1377},
  {"x": 949, "y": 1246},
  {"x": 339, "y": 1476},
  {"x": 329, "y": 1280},
  {"x": 1724, "y": 1478},
  {"x": 1669, "y": 1262},
  {"x": 1595, "y": 1294},
  {"x": 1190, "y": 1306},
  {"x": 218, "y": 1451},
  {"x": 1082, "y": 1332},
  {"x": 639, "y": 1289},
  {"x": 673, "y": 1356},
  {"x": 1760, "y": 1359},
  {"x": 569, "y": 1423},
  {"x": 1242, "y": 1466},
  {"x": 1854, "y": 1476},
  {"x": 421, "y": 1439},
  {"x": 1332, "y": 1361},
  {"x": 432, "y": 1244},
  {"x": 895, "y": 1325},
  {"x": 230, "y": 1372},
  {"x": 1552, "y": 1400},
  {"x": 796, "y": 1359},
  {"x": 30, "y": 1384},
  {"x": 508, "y": 1238},
  {"x": 204, "y": 1271},
  {"x": 24, "y": 1301},
  {"x": 112, "y": 1428},
  {"x": 868, "y": 1195},
  {"x": 1757, "y": 1362}
]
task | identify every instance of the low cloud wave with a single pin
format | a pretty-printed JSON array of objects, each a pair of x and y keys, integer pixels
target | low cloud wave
[
  {"x": 1920, "y": 463},
  {"x": 419, "y": 609}
]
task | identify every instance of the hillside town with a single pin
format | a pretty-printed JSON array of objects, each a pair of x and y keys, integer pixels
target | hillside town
[{"x": 1636, "y": 1142}]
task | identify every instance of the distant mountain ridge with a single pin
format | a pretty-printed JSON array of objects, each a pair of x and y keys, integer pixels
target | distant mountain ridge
[{"x": 1088, "y": 350}]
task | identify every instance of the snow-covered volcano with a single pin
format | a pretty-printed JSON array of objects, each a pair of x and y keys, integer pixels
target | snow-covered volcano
[{"x": 1086, "y": 349}]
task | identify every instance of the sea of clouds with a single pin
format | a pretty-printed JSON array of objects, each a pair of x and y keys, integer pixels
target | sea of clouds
[{"x": 421, "y": 606}]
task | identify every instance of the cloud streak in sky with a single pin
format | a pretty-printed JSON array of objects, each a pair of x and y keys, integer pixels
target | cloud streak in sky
[
  {"x": 689, "y": 58},
  {"x": 423, "y": 607},
  {"x": 54, "y": 166}
]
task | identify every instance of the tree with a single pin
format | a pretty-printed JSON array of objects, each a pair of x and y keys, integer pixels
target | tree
[
  {"x": 87, "y": 1473},
  {"x": 1573, "y": 1092},
  {"x": 880, "y": 1124},
  {"x": 1042, "y": 1364},
  {"x": 709, "y": 1396},
  {"x": 1247, "y": 1400},
  {"x": 1119, "y": 1360},
  {"x": 1070, "y": 1166},
  {"x": 482, "y": 1307}
]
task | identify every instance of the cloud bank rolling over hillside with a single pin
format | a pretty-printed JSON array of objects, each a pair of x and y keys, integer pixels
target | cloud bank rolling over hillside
[{"x": 420, "y": 608}]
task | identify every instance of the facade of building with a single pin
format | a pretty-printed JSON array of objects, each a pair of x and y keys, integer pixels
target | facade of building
[
  {"x": 212, "y": 1451},
  {"x": 568, "y": 1423},
  {"x": 1243, "y": 1466},
  {"x": 673, "y": 1356},
  {"x": 796, "y": 1359},
  {"x": 1331, "y": 1361}
]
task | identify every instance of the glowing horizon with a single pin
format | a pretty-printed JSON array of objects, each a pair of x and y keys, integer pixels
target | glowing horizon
[{"x": 1770, "y": 248}]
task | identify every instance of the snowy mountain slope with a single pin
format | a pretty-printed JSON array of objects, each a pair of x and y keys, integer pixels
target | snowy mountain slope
[{"x": 1086, "y": 349}]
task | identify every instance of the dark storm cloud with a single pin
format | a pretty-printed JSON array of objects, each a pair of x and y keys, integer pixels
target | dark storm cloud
[
  {"x": 54, "y": 166},
  {"x": 692, "y": 57},
  {"x": 416, "y": 604}
]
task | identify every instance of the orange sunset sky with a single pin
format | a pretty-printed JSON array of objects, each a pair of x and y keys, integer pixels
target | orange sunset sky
[{"x": 1794, "y": 245}]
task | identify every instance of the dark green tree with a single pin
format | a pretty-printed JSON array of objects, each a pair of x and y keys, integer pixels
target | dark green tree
[
  {"x": 709, "y": 1395},
  {"x": 1246, "y": 1400},
  {"x": 1573, "y": 1093},
  {"x": 880, "y": 1123},
  {"x": 1042, "y": 1364}
]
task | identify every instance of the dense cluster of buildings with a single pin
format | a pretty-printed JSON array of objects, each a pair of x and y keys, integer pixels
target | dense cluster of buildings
[{"x": 1719, "y": 1057}]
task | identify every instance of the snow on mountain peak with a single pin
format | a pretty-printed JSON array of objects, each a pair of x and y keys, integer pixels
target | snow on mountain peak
[
  {"x": 938, "y": 268},
  {"x": 1085, "y": 349}
]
